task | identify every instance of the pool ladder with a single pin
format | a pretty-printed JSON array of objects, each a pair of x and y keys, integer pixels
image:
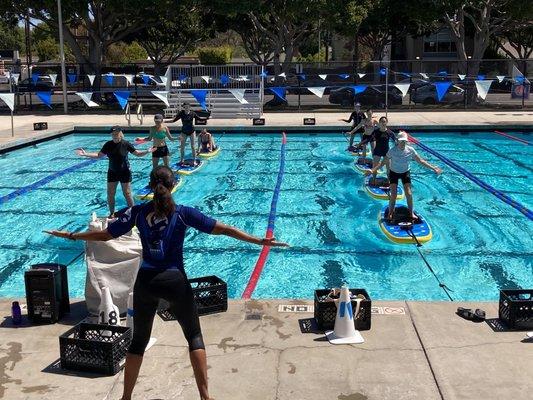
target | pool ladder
[{"x": 140, "y": 114}]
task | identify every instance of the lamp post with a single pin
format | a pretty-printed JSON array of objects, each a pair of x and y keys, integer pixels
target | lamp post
[{"x": 62, "y": 57}]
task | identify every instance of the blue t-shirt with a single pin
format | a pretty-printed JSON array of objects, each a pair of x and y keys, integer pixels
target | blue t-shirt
[{"x": 154, "y": 232}]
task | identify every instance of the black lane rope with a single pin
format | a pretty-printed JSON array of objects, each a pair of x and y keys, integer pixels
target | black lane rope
[{"x": 409, "y": 230}]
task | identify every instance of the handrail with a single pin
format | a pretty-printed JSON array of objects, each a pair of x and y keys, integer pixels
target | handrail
[
  {"x": 127, "y": 114},
  {"x": 140, "y": 114}
]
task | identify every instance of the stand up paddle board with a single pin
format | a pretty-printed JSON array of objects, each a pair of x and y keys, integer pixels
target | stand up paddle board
[{"x": 401, "y": 229}]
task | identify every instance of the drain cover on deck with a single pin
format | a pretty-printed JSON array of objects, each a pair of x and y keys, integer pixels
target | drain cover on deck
[{"x": 253, "y": 316}]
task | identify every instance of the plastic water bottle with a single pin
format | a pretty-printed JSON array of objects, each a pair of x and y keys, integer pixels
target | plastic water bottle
[{"x": 16, "y": 314}]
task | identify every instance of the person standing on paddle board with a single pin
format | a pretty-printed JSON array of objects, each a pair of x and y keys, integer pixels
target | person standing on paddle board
[
  {"x": 158, "y": 133},
  {"x": 356, "y": 116},
  {"x": 380, "y": 138},
  {"x": 368, "y": 124},
  {"x": 399, "y": 158},
  {"x": 119, "y": 170},
  {"x": 162, "y": 226},
  {"x": 187, "y": 117}
]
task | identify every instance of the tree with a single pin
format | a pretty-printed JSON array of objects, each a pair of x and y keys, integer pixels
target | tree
[
  {"x": 119, "y": 53},
  {"x": 183, "y": 27},
  {"x": 11, "y": 36},
  {"x": 520, "y": 40}
]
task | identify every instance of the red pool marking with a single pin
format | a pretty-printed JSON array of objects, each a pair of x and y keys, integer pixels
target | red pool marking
[
  {"x": 512, "y": 137},
  {"x": 261, "y": 261}
]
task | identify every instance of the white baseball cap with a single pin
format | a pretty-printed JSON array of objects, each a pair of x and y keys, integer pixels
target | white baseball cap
[{"x": 402, "y": 137}]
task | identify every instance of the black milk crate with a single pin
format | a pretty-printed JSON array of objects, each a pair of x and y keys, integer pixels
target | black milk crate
[
  {"x": 516, "y": 308},
  {"x": 210, "y": 293},
  {"x": 326, "y": 311},
  {"x": 94, "y": 348}
]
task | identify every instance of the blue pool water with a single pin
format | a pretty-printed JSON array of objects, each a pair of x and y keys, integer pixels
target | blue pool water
[{"x": 480, "y": 244}]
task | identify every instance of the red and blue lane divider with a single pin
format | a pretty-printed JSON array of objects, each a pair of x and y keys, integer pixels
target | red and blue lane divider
[
  {"x": 500, "y": 195},
  {"x": 512, "y": 137},
  {"x": 41, "y": 182},
  {"x": 259, "y": 265}
]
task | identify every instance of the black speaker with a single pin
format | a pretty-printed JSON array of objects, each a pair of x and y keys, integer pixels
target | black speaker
[
  {"x": 309, "y": 121},
  {"x": 47, "y": 295},
  {"x": 40, "y": 126},
  {"x": 259, "y": 121}
]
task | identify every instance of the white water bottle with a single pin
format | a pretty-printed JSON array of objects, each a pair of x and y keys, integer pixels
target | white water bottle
[
  {"x": 129, "y": 313},
  {"x": 108, "y": 313}
]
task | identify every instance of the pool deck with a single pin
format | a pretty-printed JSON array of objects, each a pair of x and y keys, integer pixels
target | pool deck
[
  {"x": 415, "y": 350},
  {"x": 497, "y": 119}
]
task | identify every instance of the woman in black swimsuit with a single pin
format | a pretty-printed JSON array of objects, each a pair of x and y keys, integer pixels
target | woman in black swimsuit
[{"x": 187, "y": 117}]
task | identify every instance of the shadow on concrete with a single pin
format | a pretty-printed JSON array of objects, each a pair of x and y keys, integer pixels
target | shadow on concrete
[
  {"x": 55, "y": 368},
  {"x": 78, "y": 312}
]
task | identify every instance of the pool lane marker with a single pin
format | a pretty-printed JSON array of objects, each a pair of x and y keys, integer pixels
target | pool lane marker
[
  {"x": 512, "y": 137},
  {"x": 256, "y": 273},
  {"x": 500, "y": 195},
  {"x": 47, "y": 179}
]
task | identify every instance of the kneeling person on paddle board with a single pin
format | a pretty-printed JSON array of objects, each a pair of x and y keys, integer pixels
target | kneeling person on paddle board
[
  {"x": 206, "y": 142},
  {"x": 399, "y": 158}
]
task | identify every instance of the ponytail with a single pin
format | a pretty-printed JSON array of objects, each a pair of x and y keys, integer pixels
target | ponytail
[{"x": 161, "y": 182}]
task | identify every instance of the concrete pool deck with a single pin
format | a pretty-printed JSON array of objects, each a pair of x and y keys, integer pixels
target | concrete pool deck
[
  {"x": 497, "y": 119},
  {"x": 415, "y": 350}
]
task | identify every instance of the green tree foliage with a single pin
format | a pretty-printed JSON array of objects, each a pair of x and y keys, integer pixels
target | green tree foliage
[
  {"x": 215, "y": 55},
  {"x": 11, "y": 36},
  {"x": 124, "y": 53}
]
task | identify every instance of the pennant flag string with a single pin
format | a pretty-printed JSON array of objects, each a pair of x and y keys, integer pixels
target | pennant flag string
[
  {"x": 86, "y": 97},
  {"x": 483, "y": 87},
  {"x": 161, "y": 95},
  {"x": 200, "y": 95},
  {"x": 442, "y": 88},
  {"x": 9, "y": 99},
  {"x": 45, "y": 97},
  {"x": 318, "y": 91},
  {"x": 122, "y": 98}
]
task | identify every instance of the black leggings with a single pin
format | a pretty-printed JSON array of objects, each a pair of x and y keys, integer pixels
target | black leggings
[{"x": 171, "y": 285}]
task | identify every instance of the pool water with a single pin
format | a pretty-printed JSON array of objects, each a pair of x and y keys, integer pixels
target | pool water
[{"x": 480, "y": 244}]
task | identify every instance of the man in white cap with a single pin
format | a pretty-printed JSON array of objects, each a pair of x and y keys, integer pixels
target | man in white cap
[{"x": 399, "y": 157}]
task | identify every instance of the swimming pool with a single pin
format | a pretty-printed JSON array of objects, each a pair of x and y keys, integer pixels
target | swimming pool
[{"x": 480, "y": 244}]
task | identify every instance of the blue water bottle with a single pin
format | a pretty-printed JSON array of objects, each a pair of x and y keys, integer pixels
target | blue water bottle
[{"x": 16, "y": 314}]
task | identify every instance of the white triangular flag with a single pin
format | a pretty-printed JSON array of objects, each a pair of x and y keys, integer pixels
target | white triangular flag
[
  {"x": 161, "y": 95},
  {"x": 129, "y": 79},
  {"x": 324, "y": 76},
  {"x": 163, "y": 79},
  {"x": 53, "y": 78},
  {"x": 483, "y": 87},
  {"x": 403, "y": 87},
  {"x": 361, "y": 75},
  {"x": 244, "y": 78},
  {"x": 15, "y": 77},
  {"x": 86, "y": 97},
  {"x": 283, "y": 75},
  {"x": 461, "y": 76},
  {"x": 319, "y": 91},
  {"x": 91, "y": 79},
  {"x": 272, "y": 79},
  {"x": 206, "y": 78},
  {"x": 424, "y": 75},
  {"x": 500, "y": 78},
  {"x": 9, "y": 99},
  {"x": 239, "y": 95}
]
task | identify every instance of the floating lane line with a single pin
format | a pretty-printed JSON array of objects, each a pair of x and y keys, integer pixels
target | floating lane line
[
  {"x": 259, "y": 265},
  {"x": 512, "y": 137},
  {"x": 500, "y": 195},
  {"x": 47, "y": 179}
]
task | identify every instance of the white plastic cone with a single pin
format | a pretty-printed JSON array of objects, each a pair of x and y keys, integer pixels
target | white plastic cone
[
  {"x": 344, "y": 331},
  {"x": 107, "y": 312}
]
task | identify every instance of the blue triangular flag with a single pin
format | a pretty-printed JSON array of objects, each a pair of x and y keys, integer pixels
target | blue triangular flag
[
  {"x": 359, "y": 89},
  {"x": 302, "y": 77},
  {"x": 199, "y": 95},
  {"x": 224, "y": 79},
  {"x": 383, "y": 71},
  {"x": 109, "y": 79},
  {"x": 481, "y": 77},
  {"x": 46, "y": 98},
  {"x": 72, "y": 78},
  {"x": 344, "y": 76},
  {"x": 443, "y": 73},
  {"x": 442, "y": 88},
  {"x": 122, "y": 98},
  {"x": 278, "y": 92},
  {"x": 182, "y": 77},
  {"x": 146, "y": 79},
  {"x": 263, "y": 74},
  {"x": 519, "y": 79},
  {"x": 34, "y": 78}
]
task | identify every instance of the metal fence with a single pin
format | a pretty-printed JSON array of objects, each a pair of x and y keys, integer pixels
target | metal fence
[{"x": 338, "y": 78}]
